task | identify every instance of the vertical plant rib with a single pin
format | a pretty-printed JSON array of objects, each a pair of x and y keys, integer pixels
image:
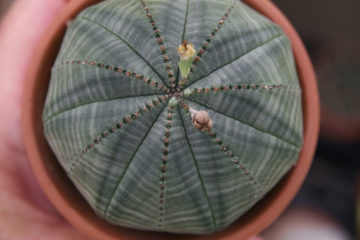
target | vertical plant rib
[
  {"x": 130, "y": 160},
  {"x": 161, "y": 42},
  {"x": 127, "y": 44},
  {"x": 183, "y": 37},
  {"x": 201, "y": 51},
  {"x": 185, "y": 20},
  {"x": 197, "y": 169},
  {"x": 113, "y": 128},
  {"x": 163, "y": 177}
]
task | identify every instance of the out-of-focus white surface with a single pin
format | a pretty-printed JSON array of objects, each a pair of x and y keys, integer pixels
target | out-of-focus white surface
[{"x": 305, "y": 224}]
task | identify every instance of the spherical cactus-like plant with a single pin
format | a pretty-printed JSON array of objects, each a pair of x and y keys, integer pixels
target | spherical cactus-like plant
[{"x": 159, "y": 136}]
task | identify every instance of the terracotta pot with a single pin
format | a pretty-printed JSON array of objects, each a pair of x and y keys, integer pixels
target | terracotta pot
[{"x": 74, "y": 208}]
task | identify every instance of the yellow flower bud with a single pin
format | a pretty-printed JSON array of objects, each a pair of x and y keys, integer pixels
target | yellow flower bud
[{"x": 186, "y": 50}]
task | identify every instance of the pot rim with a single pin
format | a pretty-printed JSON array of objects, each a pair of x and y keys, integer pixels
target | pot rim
[{"x": 72, "y": 207}]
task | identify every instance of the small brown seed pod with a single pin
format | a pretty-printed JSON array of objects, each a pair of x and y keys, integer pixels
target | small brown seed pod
[{"x": 202, "y": 121}]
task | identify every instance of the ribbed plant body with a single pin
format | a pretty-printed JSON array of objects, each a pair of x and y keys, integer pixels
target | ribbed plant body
[{"x": 118, "y": 113}]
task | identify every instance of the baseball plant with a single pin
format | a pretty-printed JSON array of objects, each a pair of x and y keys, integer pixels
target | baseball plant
[{"x": 174, "y": 116}]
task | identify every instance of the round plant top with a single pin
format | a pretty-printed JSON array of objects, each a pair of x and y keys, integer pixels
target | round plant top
[{"x": 174, "y": 116}]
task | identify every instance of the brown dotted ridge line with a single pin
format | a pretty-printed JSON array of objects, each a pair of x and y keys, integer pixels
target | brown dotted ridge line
[
  {"x": 225, "y": 148},
  {"x": 228, "y": 153},
  {"x": 223, "y": 88},
  {"x": 166, "y": 142},
  {"x": 126, "y": 120},
  {"x": 162, "y": 47},
  {"x": 206, "y": 44},
  {"x": 120, "y": 70}
]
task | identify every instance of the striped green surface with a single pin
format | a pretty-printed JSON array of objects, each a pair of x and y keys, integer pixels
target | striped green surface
[{"x": 109, "y": 127}]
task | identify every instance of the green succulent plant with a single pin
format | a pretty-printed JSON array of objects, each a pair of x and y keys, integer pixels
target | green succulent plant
[{"x": 152, "y": 148}]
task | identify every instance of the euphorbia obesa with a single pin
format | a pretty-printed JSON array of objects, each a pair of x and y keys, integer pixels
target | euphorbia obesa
[{"x": 153, "y": 147}]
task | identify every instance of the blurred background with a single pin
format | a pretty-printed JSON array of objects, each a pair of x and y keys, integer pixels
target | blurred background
[
  {"x": 4, "y": 5},
  {"x": 326, "y": 206}
]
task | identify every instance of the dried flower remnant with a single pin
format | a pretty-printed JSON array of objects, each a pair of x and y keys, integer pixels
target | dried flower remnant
[{"x": 201, "y": 120}]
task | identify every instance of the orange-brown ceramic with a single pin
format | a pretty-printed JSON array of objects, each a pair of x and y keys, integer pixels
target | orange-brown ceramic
[{"x": 74, "y": 208}]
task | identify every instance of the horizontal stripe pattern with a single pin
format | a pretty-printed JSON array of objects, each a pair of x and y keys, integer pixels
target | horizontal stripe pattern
[
  {"x": 242, "y": 32},
  {"x": 77, "y": 85},
  {"x": 203, "y": 17},
  {"x": 115, "y": 16}
]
